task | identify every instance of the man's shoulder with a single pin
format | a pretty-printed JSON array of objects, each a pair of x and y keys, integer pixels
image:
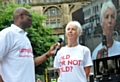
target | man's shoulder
[{"x": 5, "y": 30}]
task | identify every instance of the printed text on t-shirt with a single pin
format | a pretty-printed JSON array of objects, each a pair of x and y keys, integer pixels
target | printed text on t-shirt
[
  {"x": 25, "y": 53},
  {"x": 66, "y": 64}
]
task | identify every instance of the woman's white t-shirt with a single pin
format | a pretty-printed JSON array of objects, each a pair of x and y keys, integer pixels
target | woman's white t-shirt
[{"x": 71, "y": 62}]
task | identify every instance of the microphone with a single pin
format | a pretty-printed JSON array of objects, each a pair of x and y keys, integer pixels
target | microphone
[
  {"x": 56, "y": 50},
  {"x": 104, "y": 44}
]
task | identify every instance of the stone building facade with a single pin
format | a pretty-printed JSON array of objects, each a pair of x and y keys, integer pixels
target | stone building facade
[{"x": 58, "y": 12}]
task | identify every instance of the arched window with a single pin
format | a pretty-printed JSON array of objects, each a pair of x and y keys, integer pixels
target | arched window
[{"x": 53, "y": 17}]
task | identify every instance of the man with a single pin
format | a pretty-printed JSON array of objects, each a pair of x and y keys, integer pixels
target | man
[{"x": 16, "y": 55}]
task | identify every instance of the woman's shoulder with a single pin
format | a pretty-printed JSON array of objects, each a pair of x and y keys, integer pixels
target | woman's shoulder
[
  {"x": 84, "y": 47},
  {"x": 62, "y": 48},
  {"x": 116, "y": 42},
  {"x": 95, "y": 51}
]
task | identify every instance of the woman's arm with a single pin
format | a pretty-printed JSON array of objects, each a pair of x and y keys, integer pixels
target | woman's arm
[
  {"x": 87, "y": 71},
  {"x": 58, "y": 72}
]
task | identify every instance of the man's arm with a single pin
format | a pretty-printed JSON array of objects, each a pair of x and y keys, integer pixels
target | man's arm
[
  {"x": 1, "y": 79},
  {"x": 40, "y": 59}
]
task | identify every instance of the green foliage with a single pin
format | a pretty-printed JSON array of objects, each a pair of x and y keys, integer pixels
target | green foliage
[
  {"x": 1, "y": 3},
  {"x": 41, "y": 37},
  {"x": 6, "y": 15},
  {"x": 40, "y": 77}
]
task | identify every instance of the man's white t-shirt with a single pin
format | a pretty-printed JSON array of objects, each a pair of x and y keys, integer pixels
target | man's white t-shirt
[
  {"x": 112, "y": 51},
  {"x": 16, "y": 56},
  {"x": 71, "y": 62},
  {"x": 0, "y": 69}
]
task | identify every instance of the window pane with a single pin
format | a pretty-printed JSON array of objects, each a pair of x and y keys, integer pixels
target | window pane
[
  {"x": 58, "y": 12},
  {"x": 53, "y": 20},
  {"x": 58, "y": 23},
  {"x": 47, "y": 13},
  {"x": 53, "y": 23},
  {"x": 44, "y": 1},
  {"x": 52, "y": 12},
  {"x": 25, "y": 1},
  {"x": 52, "y": 0},
  {"x": 47, "y": 23},
  {"x": 19, "y": 1},
  {"x": 87, "y": 12}
]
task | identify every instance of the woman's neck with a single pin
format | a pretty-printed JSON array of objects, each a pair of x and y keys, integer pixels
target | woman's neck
[
  {"x": 109, "y": 41},
  {"x": 72, "y": 43}
]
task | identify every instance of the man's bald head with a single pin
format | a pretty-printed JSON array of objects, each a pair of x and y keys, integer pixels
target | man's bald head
[
  {"x": 18, "y": 11},
  {"x": 22, "y": 17}
]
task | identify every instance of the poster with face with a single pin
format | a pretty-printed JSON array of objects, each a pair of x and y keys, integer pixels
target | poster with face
[{"x": 101, "y": 30}]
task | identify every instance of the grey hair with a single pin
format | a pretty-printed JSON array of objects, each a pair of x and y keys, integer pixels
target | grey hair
[
  {"x": 77, "y": 24},
  {"x": 105, "y": 6}
]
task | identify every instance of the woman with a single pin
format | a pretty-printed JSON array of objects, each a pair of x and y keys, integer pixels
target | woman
[
  {"x": 107, "y": 20},
  {"x": 73, "y": 60}
]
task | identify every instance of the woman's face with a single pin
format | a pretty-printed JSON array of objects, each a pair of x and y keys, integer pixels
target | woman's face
[
  {"x": 71, "y": 32},
  {"x": 109, "y": 22}
]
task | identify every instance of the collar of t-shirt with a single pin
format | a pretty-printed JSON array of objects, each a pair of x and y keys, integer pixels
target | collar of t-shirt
[{"x": 18, "y": 29}]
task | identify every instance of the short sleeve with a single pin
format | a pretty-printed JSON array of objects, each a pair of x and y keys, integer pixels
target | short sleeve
[
  {"x": 87, "y": 57},
  {"x": 0, "y": 69},
  {"x": 56, "y": 63},
  {"x": 56, "y": 60},
  {"x": 5, "y": 41}
]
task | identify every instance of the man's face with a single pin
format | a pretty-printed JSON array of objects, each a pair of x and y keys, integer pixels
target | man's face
[
  {"x": 109, "y": 22},
  {"x": 27, "y": 19}
]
